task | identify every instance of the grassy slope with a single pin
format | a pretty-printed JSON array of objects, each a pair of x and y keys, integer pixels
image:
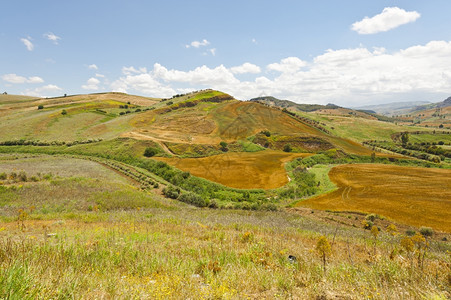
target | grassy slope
[
  {"x": 88, "y": 116},
  {"x": 95, "y": 236}
]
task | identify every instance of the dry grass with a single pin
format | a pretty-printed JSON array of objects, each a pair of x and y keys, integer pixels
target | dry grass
[
  {"x": 414, "y": 196},
  {"x": 170, "y": 255},
  {"x": 256, "y": 170}
]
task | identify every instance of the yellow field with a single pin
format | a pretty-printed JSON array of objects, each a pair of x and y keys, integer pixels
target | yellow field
[
  {"x": 414, "y": 196},
  {"x": 256, "y": 170}
]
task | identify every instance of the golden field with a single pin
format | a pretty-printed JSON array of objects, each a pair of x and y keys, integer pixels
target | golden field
[
  {"x": 410, "y": 195},
  {"x": 247, "y": 170}
]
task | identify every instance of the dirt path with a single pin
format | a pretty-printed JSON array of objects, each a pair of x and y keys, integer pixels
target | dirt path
[{"x": 143, "y": 137}]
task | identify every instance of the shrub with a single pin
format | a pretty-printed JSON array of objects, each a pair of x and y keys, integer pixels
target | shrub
[
  {"x": 223, "y": 146},
  {"x": 193, "y": 199},
  {"x": 171, "y": 192},
  {"x": 64, "y": 112},
  {"x": 324, "y": 250},
  {"x": 40, "y": 106},
  {"x": 426, "y": 231},
  {"x": 287, "y": 148},
  {"x": 3, "y": 176},
  {"x": 266, "y": 132},
  {"x": 149, "y": 152},
  {"x": 410, "y": 232},
  {"x": 22, "y": 176}
]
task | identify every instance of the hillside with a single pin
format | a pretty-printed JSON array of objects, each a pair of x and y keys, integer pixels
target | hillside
[
  {"x": 202, "y": 196},
  {"x": 394, "y": 108},
  {"x": 272, "y": 101},
  {"x": 430, "y": 115}
]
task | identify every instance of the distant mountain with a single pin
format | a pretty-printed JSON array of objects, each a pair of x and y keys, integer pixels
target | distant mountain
[
  {"x": 395, "y": 108},
  {"x": 272, "y": 101}
]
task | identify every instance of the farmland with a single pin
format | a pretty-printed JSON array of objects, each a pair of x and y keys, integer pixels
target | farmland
[
  {"x": 257, "y": 170},
  {"x": 391, "y": 191}
]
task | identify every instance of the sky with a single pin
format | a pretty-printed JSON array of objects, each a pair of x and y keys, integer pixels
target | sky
[{"x": 347, "y": 52}]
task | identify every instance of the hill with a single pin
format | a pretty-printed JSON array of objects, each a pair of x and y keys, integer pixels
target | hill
[
  {"x": 203, "y": 196},
  {"x": 272, "y": 101},
  {"x": 394, "y": 108},
  {"x": 430, "y": 115}
]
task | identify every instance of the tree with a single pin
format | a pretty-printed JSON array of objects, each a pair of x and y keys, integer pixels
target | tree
[
  {"x": 266, "y": 132},
  {"x": 223, "y": 146},
  {"x": 149, "y": 152},
  {"x": 404, "y": 138},
  {"x": 373, "y": 156},
  {"x": 64, "y": 112},
  {"x": 287, "y": 148},
  {"x": 324, "y": 250}
]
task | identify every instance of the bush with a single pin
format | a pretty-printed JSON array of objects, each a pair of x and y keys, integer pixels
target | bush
[
  {"x": 64, "y": 112},
  {"x": 266, "y": 132},
  {"x": 287, "y": 148},
  {"x": 3, "y": 176},
  {"x": 193, "y": 199},
  {"x": 149, "y": 152},
  {"x": 410, "y": 232},
  {"x": 41, "y": 106},
  {"x": 223, "y": 146},
  {"x": 171, "y": 192},
  {"x": 426, "y": 231}
]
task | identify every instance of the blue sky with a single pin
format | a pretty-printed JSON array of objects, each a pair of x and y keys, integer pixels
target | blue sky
[{"x": 345, "y": 52}]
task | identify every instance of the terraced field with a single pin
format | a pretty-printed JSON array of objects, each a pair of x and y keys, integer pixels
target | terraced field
[
  {"x": 410, "y": 195},
  {"x": 256, "y": 170}
]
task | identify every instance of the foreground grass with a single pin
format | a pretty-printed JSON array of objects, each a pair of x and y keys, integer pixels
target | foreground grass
[{"x": 179, "y": 254}]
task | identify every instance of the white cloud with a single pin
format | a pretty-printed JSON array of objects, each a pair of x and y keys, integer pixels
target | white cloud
[
  {"x": 246, "y": 68},
  {"x": 199, "y": 76},
  {"x": 212, "y": 51},
  {"x": 254, "y": 41},
  {"x": 93, "y": 67},
  {"x": 100, "y": 75},
  {"x": 132, "y": 70},
  {"x": 91, "y": 84},
  {"x": 142, "y": 83},
  {"x": 44, "y": 91},
  {"x": 287, "y": 65},
  {"x": 52, "y": 37},
  {"x": 344, "y": 76},
  {"x": 390, "y": 18},
  {"x": 50, "y": 88},
  {"x": 197, "y": 44},
  {"x": 27, "y": 42},
  {"x": 13, "y": 78},
  {"x": 35, "y": 79}
]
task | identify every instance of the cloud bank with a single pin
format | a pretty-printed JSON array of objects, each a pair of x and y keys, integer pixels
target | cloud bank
[{"x": 346, "y": 76}]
